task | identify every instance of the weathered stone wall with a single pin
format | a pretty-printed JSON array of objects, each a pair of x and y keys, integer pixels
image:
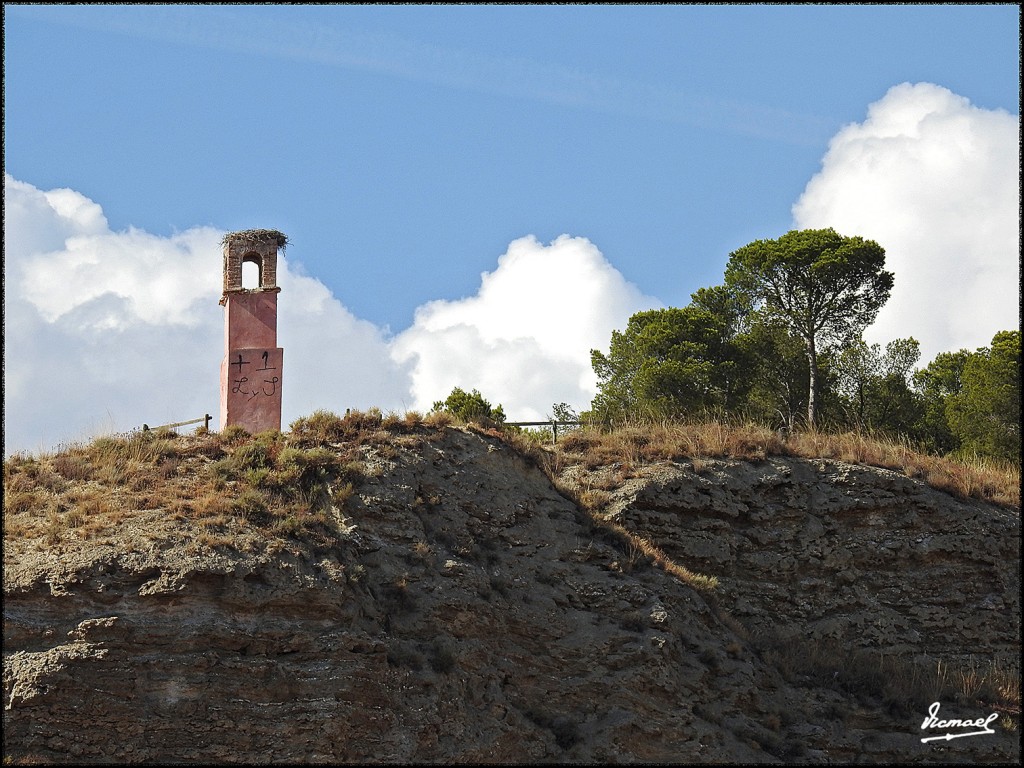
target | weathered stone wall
[{"x": 264, "y": 254}]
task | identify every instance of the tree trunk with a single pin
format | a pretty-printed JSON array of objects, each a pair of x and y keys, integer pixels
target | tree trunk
[
  {"x": 862, "y": 405},
  {"x": 812, "y": 395}
]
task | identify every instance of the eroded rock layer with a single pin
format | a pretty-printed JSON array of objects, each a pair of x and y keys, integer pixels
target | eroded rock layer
[{"x": 467, "y": 611}]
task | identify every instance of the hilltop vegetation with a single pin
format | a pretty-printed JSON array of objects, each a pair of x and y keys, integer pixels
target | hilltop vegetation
[
  {"x": 297, "y": 483},
  {"x": 780, "y": 343}
]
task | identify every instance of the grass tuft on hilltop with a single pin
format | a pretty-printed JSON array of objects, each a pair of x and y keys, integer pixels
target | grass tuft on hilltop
[{"x": 297, "y": 483}]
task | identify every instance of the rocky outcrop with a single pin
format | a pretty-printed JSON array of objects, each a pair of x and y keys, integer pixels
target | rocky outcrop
[
  {"x": 827, "y": 551},
  {"x": 467, "y": 611}
]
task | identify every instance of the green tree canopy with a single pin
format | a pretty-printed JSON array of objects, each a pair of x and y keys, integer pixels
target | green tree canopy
[
  {"x": 825, "y": 287},
  {"x": 985, "y": 414},
  {"x": 470, "y": 406},
  {"x": 936, "y": 383},
  {"x": 776, "y": 367},
  {"x": 875, "y": 385},
  {"x": 667, "y": 363}
]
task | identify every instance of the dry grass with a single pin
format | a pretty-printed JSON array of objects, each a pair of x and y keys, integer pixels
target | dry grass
[
  {"x": 634, "y": 446},
  {"x": 219, "y": 485},
  {"x": 638, "y": 550},
  {"x": 650, "y": 550},
  {"x": 264, "y": 480},
  {"x": 284, "y": 485},
  {"x": 438, "y": 419},
  {"x": 903, "y": 685},
  {"x": 371, "y": 427},
  {"x": 993, "y": 683}
]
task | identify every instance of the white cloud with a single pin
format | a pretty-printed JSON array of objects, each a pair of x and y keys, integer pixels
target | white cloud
[
  {"x": 105, "y": 331},
  {"x": 160, "y": 280},
  {"x": 524, "y": 339},
  {"x": 333, "y": 359},
  {"x": 935, "y": 181}
]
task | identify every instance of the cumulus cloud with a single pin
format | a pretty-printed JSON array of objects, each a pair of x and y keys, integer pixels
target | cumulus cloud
[
  {"x": 333, "y": 359},
  {"x": 105, "y": 331},
  {"x": 524, "y": 339},
  {"x": 935, "y": 181}
]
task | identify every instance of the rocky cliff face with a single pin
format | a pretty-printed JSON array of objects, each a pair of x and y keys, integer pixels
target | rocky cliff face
[
  {"x": 468, "y": 611},
  {"x": 826, "y": 551}
]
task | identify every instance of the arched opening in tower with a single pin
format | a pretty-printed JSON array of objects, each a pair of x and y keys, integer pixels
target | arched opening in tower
[{"x": 251, "y": 278}]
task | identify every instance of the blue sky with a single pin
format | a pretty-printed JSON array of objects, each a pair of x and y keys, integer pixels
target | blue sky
[{"x": 405, "y": 149}]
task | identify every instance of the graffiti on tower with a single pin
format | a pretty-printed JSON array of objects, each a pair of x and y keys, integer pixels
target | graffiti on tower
[{"x": 251, "y": 371}]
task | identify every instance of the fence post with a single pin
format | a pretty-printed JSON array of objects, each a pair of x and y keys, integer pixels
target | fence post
[{"x": 206, "y": 423}]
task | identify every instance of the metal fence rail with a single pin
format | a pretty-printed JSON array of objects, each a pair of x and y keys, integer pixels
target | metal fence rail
[{"x": 554, "y": 424}]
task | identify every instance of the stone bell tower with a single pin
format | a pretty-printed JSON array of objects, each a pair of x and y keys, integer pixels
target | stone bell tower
[{"x": 250, "y": 374}]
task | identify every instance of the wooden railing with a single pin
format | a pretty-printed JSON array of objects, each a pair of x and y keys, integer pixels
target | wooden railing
[{"x": 205, "y": 419}]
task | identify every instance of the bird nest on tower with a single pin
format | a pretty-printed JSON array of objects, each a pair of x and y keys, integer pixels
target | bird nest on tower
[{"x": 260, "y": 236}]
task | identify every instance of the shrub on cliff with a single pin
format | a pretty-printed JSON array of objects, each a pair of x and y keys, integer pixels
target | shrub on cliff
[{"x": 471, "y": 407}]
